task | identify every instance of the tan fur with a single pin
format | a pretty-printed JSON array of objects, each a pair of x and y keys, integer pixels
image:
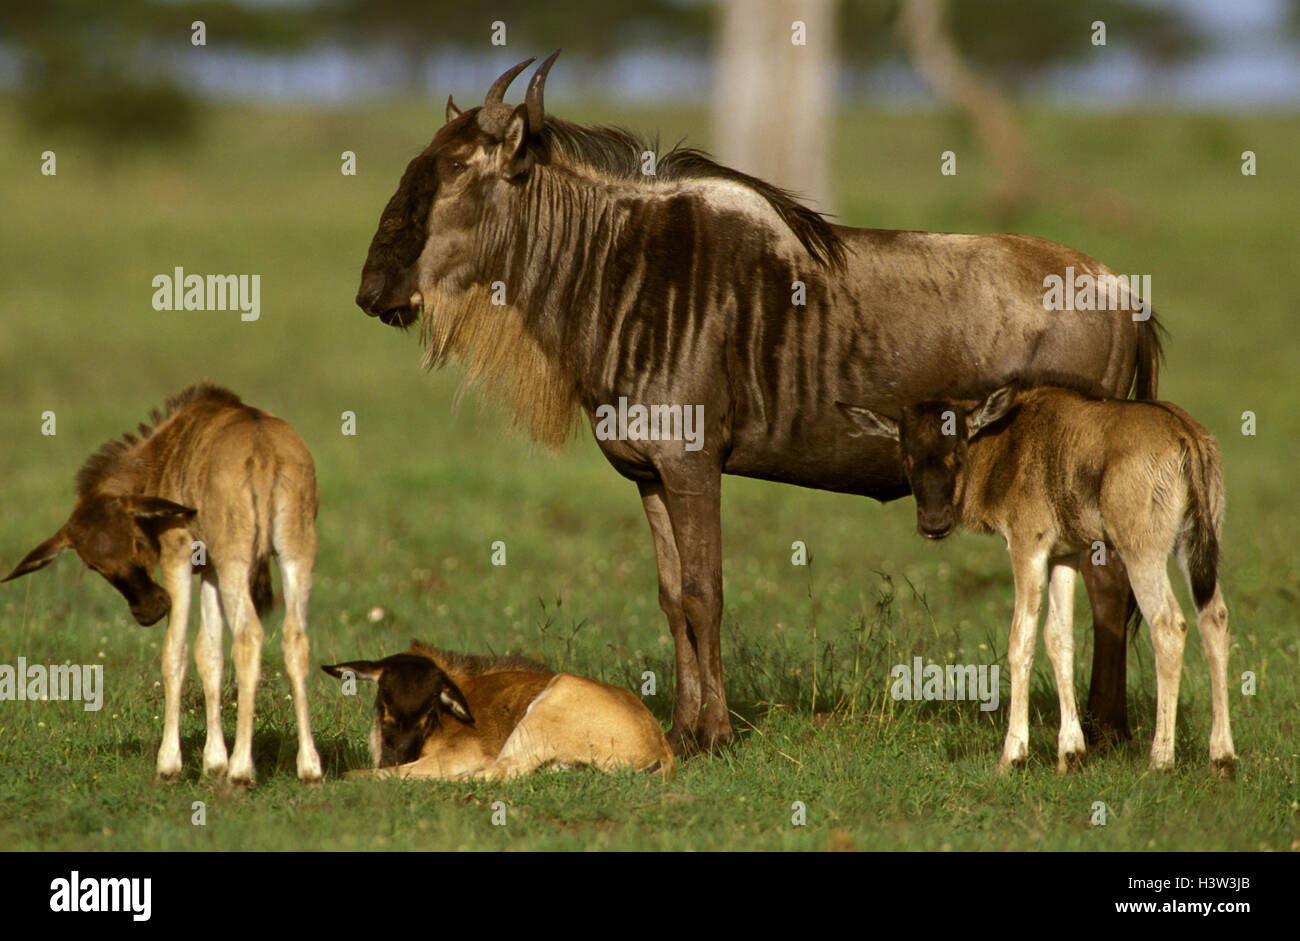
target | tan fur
[
  {"x": 530, "y": 718},
  {"x": 1056, "y": 472},
  {"x": 241, "y": 481},
  {"x": 500, "y": 354},
  {"x": 1150, "y": 462}
]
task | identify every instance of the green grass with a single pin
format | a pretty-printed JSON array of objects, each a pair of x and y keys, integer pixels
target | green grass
[{"x": 413, "y": 502}]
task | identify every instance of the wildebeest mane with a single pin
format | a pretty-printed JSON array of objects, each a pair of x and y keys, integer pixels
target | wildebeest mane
[
  {"x": 107, "y": 459},
  {"x": 617, "y": 152}
]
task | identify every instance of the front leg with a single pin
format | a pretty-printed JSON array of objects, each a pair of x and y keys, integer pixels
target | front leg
[
  {"x": 695, "y": 508},
  {"x": 209, "y": 658},
  {"x": 1058, "y": 636},
  {"x": 1028, "y": 564},
  {"x": 247, "y": 629},
  {"x": 686, "y": 711},
  {"x": 176, "y": 572}
]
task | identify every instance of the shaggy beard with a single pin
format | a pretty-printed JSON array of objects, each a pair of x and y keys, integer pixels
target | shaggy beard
[{"x": 500, "y": 354}]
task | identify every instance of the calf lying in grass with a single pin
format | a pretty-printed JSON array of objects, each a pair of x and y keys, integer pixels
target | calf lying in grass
[
  {"x": 446, "y": 715},
  {"x": 240, "y": 482},
  {"x": 1055, "y": 471}
]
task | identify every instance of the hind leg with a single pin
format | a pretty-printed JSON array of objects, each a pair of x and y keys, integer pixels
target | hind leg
[
  {"x": 209, "y": 659},
  {"x": 247, "y": 628},
  {"x": 1058, "y": 637},
  {"x": 296, "y": 572},
  {"x": 1212, "y": 622},
  {"x": 1168, "y": 634}
]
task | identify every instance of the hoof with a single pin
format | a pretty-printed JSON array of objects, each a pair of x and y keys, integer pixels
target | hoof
[
  {"x": 1069, "y": 762},
  {"x": 1223, "y": 769},
  {"x": 1017, "y": 764},
  {"x": 310, "y": 772}
]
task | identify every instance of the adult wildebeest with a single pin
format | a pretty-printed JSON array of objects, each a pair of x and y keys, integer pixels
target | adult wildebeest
[
  {"x": 1056, "y": 471},
  {"x": 440, "y": 714},
  {"x": 541, "y": 253},
  {"x": 215, "y": 471}
]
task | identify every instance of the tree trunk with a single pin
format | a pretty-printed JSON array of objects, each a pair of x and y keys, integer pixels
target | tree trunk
[{"x": 773, "y": 98}]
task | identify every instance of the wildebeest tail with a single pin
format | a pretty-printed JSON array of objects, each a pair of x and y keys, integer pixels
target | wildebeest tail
[
  {"x": 1132, "y": 613},
  {"x": 259, "y": 586},
  {"x": 1200, "y": 539},
  {"x": 1149, "y": 353}
]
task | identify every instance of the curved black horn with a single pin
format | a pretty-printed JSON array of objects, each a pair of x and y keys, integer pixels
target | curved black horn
[
  {"x": 534, "y": 98},
  {"x": 498, "y": 90}
]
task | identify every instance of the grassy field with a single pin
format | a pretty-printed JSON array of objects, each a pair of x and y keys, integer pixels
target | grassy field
[{"x": 412, "y": 503}]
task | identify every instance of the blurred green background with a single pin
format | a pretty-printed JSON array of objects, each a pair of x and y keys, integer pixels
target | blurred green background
[{"x": 412, "y": 503}]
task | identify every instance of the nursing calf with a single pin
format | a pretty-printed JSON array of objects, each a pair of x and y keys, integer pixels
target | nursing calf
[
  {"x": 1055, "y": 471},
  {"x": 446, "y": 715},
  {"x": 214, "y": 471}
]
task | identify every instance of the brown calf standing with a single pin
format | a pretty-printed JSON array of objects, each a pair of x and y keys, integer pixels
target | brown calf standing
[
  {"x": 212, "y": 470},
  {"x": 446, "y": 715},
  {"x": 1056, "y": 471}
]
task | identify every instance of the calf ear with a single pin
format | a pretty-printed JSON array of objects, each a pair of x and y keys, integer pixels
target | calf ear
[
  {"x": 42, "y": 555},
  {"x": 362, "y": 669},
  {"x": 451, "y": 697},
  {"x": 868, "y": 422},
  {"x": 513, "y": 159},
  {"x": 997, "y": 404},
  {"x": 158, "y": 510}
]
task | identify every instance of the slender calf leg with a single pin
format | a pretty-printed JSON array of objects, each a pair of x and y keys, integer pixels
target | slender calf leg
[
  {"x": 247, "y": 629},
  {"x": 697, "y": 525},
  {"x": 177, "y": 574},
  {"x": 686, "y": 711},
  {"x": 1027, "y": 566},
  {"x": 1212, "y": 622},
  {"x": 296, "y": 573},
  {"x": 1058, "y": 636},
  {"x": 1168, "y": 632},
  {"x": 209, "y": 658}
]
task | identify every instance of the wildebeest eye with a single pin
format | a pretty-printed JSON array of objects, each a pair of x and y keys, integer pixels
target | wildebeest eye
[{"x": 455, "y": 167}]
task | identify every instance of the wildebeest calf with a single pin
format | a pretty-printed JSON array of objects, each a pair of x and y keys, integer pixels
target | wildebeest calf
[
  {"x": 215, "y": 471},
  {"x": 1055, "y": 471},
  {"x": 446, "y": 715}
]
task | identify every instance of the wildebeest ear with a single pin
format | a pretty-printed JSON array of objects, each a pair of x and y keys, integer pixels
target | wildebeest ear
[
  {"x": 451, "y": 697},
  {"x": 997, "y": 404},
  {"x": 513, "y": 159},
  {"x": 869, "y": 422},
  {"x": 361, "y": 669},
  {"x": 452, "y": 111},
  {"x": 158, "y": 510},
  {"x": 42, "y": 555}
]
